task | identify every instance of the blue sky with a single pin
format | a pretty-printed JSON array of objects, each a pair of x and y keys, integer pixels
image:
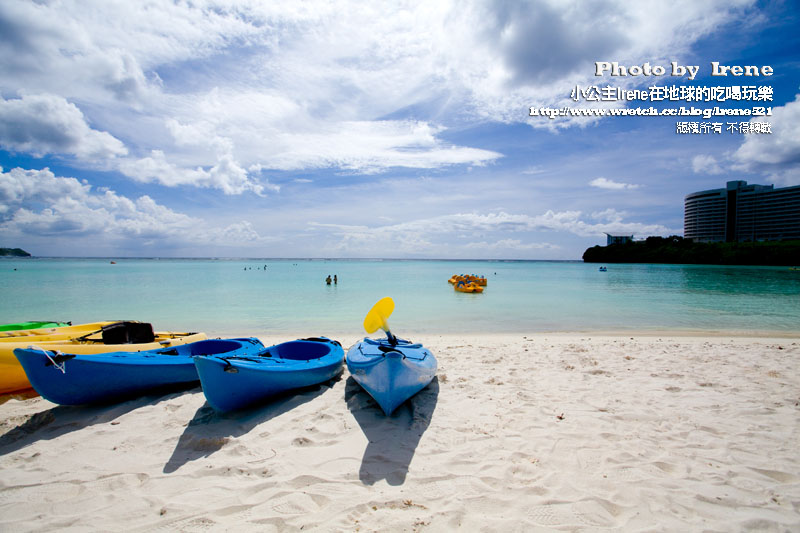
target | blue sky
[{"x": 360, "y": 129}]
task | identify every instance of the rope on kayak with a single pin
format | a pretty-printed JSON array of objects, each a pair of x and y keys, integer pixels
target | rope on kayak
[
  {"x": 60, "y": 361},
  {"x": 383, "y": 351},
  {"x": 229, "y": 368}
]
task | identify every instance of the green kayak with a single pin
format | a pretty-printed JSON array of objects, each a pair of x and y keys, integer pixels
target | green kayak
[{"x": 32, "y": 325}]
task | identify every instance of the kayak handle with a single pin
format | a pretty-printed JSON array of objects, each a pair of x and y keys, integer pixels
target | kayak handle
[{"x": 386, "y": 349}]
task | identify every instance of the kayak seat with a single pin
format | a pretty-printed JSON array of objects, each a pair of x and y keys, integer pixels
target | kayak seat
[
  {"x": 302, "y": 350},
  {"x": 213, "y": 347},
  {"x": 128, "y": 333}
]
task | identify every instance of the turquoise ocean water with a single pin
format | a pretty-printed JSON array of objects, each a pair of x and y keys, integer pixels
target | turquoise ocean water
[{"x": 241, "y": 297}]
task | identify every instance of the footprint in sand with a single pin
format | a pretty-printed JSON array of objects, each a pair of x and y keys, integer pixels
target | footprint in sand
[
  {"x": 587, "y": 513},
  {"x": 295, "y": 504},
  {"x": 44, "y": 493},
  {"x": 782, "y": 477},
  {"x": 635, "y": 473},
  {"x": 590, "y": 460},
  {"x": 667, "y": 468},
  {"x": 443, "y": 488},
  {"x": 487, "y": 506},
  {"x": 188, "y": 525}
]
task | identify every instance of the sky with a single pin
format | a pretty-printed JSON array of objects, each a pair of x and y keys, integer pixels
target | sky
[{"x": 374, "y": 129}]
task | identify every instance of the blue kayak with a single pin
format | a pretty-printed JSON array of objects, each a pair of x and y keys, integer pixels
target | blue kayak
[
  {"x": 235, "y": 382},
  {"x": 74, "y": 379},
  {"x": 391, "y": 373}
]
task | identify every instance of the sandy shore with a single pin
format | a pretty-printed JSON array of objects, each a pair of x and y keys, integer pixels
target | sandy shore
[{"x": 517, "y": 433}]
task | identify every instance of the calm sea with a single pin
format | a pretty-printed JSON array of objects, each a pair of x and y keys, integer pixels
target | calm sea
[{"x": 254, "y": 297}]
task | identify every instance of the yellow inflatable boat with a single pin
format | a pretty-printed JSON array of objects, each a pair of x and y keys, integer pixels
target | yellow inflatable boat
[
  {"x": 468, "y": 278},
  {"x": 463, "y": 286}
]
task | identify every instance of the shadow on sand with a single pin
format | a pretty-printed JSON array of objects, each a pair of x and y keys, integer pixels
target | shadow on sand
[
  {"x": 62, "y": 419},
  {"x": 392, "y": 440},
  {"x": 209, "y": 430}
]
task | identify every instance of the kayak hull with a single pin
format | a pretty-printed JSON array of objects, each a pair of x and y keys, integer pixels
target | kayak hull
[
  {"x": 75, "y": 379},
  {"x": 235, "y": 383},
  {"x": 391, "y": 374}
]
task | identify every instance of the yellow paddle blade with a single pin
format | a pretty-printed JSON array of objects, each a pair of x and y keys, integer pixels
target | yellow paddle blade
[{"x": 377, "y": 316}]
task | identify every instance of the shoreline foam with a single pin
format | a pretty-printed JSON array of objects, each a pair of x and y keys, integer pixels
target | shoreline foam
[{"x": 518, "y": 432}]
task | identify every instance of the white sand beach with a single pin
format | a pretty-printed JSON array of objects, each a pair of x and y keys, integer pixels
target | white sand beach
[{"x": 517, "y": 433}]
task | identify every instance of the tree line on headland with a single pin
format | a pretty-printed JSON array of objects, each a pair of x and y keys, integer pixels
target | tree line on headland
[
  {"x": 13, "y": 252},
  {"x": 677, "y": 250}
]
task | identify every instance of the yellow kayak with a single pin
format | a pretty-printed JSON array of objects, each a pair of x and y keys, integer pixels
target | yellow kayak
[{"x": 110, "y": 337}]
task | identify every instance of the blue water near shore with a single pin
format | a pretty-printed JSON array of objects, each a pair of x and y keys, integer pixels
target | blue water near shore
[{"x": 226, "y": 297}]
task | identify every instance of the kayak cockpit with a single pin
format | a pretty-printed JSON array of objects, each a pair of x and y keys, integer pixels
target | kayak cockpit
[{"x": 302, "y": 350}]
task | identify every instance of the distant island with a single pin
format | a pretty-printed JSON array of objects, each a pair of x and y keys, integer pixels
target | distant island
[
  {"x": 13, "y": 252},
  {"x": 677, "y": 250}
]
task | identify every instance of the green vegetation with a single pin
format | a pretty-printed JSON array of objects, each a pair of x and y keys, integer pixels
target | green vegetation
[
  {"x": 13, "y": 252},
  {"x": 678, "y": 250}
]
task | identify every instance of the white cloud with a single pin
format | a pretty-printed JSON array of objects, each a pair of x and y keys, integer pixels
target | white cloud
[
  {"x": 372, "y": 146},
  {"x": 290, "y": 86},
  {"x": 571, "y": 222},
  {"x": 20, "y": 185},
  {"x": 603, "y": 183},
  {"x": 120, "y": 73},
  {"x": 48, "y": 124},
  {"x": 312, "y": 105},
  {"x": 776, "y": 154},
  {"x": 102, "y": 49},
  {"x": 226, "y": 174},
  {"x": 609, "y": 215},
  {"x": 36, "y": 203},
  {"x": 427, "y": 236},
  {"x": 511, "y": 244},
  {"x": 511, "y": 56},
  {"x": 277, "y": 133},
  {"x": 706, "y": 164},
  {"x": 241, "y": 232},
  {"x": 532, "y": 171}
]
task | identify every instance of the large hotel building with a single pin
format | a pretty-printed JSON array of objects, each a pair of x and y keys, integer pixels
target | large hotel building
[{"x": 742, "y": 212}]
